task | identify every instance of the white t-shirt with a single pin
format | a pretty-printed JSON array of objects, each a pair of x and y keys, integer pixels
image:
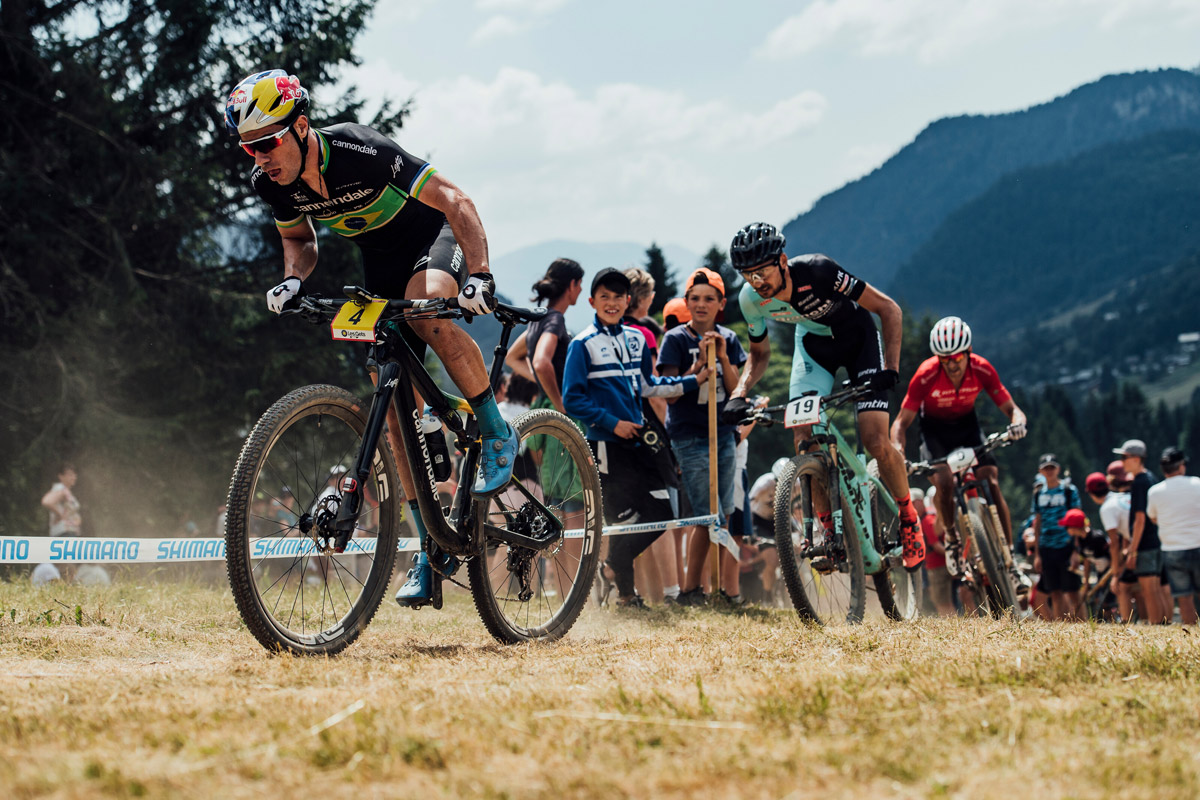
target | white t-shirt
[
  {"x": 742, "y": 454},
  {"x": 1174, "y": 503},
  {"x": 1114, "y": 513}
]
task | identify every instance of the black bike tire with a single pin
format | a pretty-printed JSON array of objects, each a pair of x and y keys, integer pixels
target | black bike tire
[
  {"x": 885, "y": 584},
  {"x": 814, "y": 467},
  {"x": 493, "y": 617},
  {"x": 297, "y": 404},
  {"x": 1000, "y": 578},
  {"x": 987, "y": 558}
]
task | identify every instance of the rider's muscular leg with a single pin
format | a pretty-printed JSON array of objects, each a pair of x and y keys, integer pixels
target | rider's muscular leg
[
  {"x": 873, "y": 427},
  {"x": 943, "y": 479},
  {"x": 820, "y": 499}
]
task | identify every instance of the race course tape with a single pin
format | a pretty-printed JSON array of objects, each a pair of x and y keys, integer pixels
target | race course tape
[{"x": 79, "y": 550}]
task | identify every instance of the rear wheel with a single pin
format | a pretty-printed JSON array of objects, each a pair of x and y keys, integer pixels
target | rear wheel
[
  {"x": 826, "y": 585},
  {"x": 898, "y": 590},
  {"x": 292, "y": 591},
  {"x": 524, "y": 593}
]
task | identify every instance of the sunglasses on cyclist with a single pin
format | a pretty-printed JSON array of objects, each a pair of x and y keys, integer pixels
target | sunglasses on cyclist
[
  {"x": 757, "y": 274},
  {"x": 265, "y": 144},
  {"x": 954, "y": 359}
]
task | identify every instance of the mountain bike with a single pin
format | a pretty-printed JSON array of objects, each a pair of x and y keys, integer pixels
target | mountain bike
[
  {"x": 977, "y": 551},
  {"x": 314, "y": 509},
  {"x": 825, "y": 571}
]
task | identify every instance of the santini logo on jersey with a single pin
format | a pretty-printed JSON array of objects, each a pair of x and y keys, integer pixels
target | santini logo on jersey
[
  {"x": 348, "y": 197},
  {"x": 361, "y": 148}
]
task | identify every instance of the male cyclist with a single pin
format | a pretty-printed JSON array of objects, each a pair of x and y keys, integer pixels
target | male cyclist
[
  {"x": 416, "y": 231},
  {"x": 831, "y": 310},
  {"x": 943, "y": 392}
]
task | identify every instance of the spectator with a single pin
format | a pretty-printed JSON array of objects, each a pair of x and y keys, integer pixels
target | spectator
[
  {"x": 540, "y": 352},
  {"x": 675, "y": 313},
  {"x": 664, "y": 556},
  {"x": 607, "y": 373},
  {"x": 1145, "y": 551},
  {"x": 1174, "y": 505},
  {"x": 1052, "y": 561},
  {"x": 1076, "y": 525},
  {"x": 684, "y": 352},
  {"x": 1114, "y": 519},
  {"x": 939, "y": 583},
  {"x": 65, "y": 520}
]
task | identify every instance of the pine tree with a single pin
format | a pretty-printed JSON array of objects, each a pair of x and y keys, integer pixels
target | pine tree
[{"x": 665, "y": 286}]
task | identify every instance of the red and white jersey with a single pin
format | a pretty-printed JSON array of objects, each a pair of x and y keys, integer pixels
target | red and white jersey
[{"x": 933, "y": 395}]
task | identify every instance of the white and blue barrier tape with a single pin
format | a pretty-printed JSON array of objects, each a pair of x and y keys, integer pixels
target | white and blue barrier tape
[{"x": 83, "y": 550}]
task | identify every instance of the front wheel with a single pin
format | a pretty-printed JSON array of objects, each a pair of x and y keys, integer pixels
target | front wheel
[
  {"x": 523, "y": 593},
  {"x": 825, "y": 579},
  {"x": 293, "y": 592},
  {"x": 1001, "y": 597}
]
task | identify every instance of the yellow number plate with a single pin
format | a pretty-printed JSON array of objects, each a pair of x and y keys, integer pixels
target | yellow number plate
[{"x": 355, "y": 323}]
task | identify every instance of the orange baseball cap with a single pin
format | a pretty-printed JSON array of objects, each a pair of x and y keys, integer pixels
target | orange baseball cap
[
  {"x": 678, "y": 309},
  {"x": 702, "y": 276}
]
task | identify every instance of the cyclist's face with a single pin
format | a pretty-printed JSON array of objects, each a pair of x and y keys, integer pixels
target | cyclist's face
[
  {"x": 765, "y": 278},
  {"x": 281, "y": 164},
  {"x": 954, "y": 365},
  {"x": 704, "y": 301},
  {"x": 610, "y": 304}
]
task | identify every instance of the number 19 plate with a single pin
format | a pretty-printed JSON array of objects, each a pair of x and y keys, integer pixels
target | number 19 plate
[
  {"x": 356, "y": 323},
  {"x": 802, "y": 411}
]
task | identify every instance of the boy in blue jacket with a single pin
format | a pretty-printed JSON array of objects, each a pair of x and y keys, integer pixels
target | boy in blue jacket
[{"x": 608, "y": 370}]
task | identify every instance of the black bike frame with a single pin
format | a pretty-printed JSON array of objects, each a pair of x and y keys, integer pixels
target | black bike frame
[{"x": 398, "y": 371}]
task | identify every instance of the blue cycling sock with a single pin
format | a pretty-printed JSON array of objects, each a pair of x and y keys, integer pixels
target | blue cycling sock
[
  {"x": 491, "y": 424},
  {"x": 415, "y": 508}
]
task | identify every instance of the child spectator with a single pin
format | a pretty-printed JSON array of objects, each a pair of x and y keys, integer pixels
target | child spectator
[
  {"x": 607, "y": 373},
  {"x": 1174, "y": 505},
  {"x": 675, "y": 313},
  {"x": 1114, "y": 519},
  {"x": 684, "y": 352},
  {"x": 1051, "y": 503},
  {"x": 1145, "y": 551}
]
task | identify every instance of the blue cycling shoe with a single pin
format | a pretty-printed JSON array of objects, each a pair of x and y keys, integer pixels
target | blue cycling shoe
[
  {"x": 496, "y": 464},
  {"x": 417, "y": 589}
]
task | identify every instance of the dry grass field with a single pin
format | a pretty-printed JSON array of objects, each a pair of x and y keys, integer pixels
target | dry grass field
[{"x": 158, "y": 691}]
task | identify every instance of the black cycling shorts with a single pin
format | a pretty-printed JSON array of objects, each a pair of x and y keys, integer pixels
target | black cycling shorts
[
  {"x": 857, "y": 346},
  {"x": 940, "y": 437},
  {"x": 1056, "y": 570},
  {"x": 387, "y": 272}
]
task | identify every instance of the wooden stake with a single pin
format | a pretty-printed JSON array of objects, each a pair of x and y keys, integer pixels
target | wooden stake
[{"x": 714, "y": 499}]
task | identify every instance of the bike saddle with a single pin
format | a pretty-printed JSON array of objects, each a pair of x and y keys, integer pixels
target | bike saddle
[{"x": 520, "y": 314}]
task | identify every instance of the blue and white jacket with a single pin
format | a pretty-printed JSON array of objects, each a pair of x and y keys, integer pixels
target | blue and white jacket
[{"x": 608, "y": 371}]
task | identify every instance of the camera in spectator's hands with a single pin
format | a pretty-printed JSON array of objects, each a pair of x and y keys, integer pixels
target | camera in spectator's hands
[{"x": 650, "y": 438}]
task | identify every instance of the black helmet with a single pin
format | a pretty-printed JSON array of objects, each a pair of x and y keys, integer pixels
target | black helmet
[{"x": 754, "y": 244}]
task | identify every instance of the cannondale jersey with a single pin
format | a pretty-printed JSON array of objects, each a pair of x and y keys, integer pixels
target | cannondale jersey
[{"x": 374, "y": 188}]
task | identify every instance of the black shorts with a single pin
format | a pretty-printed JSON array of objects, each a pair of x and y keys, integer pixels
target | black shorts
[
  {"x": 1056, "y": 570},
  {"x": 857, "y": 346},
  {"x": 631, "y": 492},
  {"x": 387, "y": 272},
  {"x": 940, "y": 437}
]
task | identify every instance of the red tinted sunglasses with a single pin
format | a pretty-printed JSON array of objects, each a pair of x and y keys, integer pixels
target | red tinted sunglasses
[
  {"x": 264, "y": 144},
  {"x": 952, "y": 359}
]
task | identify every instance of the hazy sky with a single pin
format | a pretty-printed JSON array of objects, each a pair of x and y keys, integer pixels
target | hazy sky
[{"x": 607, "y": 120}]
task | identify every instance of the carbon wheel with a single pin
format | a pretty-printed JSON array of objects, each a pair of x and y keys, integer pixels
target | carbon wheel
[{"x": 292, "y": 591}]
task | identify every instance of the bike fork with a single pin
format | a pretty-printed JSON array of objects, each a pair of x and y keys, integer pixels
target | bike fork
[{"x": 352, "y": 490}]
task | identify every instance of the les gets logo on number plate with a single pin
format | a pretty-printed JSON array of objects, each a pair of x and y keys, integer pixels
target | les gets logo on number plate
[{"x": 356, "y": 323}]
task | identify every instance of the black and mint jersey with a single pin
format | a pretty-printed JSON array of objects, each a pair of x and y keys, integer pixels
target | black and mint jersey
[
  {"x": 823, "y": 299},
  {"x": 373, "y": 187}
]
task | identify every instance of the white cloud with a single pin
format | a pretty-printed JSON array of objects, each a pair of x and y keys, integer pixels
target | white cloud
[
  {"x": 937, "y": 30},
  {"x": 545, "y": 160},
  {"x": 535, "y": 7},
  {"x": 498, "y": 27}
]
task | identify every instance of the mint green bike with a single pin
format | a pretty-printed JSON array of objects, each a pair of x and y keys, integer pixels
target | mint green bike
[{"x": 826, "y": 572}]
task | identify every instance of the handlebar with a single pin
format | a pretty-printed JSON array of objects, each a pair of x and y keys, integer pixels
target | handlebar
[
  {"x": 315, "y": 308},
  {"x": 996, "y": 440},
  {"x": 839, "y": 398}
]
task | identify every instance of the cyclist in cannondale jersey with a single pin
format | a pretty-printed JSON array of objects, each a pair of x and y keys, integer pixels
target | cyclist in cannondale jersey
[
  {"x": 831, "y": 310},
  {"x": 943, "y": 393},
  {"x": 419, "y": 235}
]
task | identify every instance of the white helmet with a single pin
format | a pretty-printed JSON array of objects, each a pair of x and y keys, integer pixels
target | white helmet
[
  {"x": 264, "y": 98},
  {"x": 950, "y": 335},
  {"x": 778, "y": 467}
]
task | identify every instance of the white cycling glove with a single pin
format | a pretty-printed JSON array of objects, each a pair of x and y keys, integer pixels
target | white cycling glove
[
  {"x": 1016, "y": 431},
  {"x": 479, "y": 295},
  {"x": 278, "y": 297}
]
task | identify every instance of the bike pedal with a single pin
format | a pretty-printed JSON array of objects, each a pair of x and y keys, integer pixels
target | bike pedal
[
  {"x": 436, "y": 600},
  {"x": 822, "y": 564}
]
